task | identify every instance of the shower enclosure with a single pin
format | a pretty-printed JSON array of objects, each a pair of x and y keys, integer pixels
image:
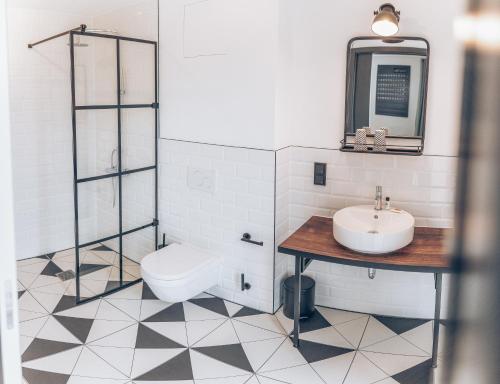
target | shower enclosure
[{"x": 114, "y": 114}]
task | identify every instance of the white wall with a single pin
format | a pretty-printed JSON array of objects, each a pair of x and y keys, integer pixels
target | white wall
[
  {"x": 41, "y": 131},
  {"x": 310, "y": 113},
  {"x": 311, "y": 76},
  {"x": 297, "y": 54},
  {"x": 424, "y": 186},
  {"x": 138, "y": 129},
  {"x": 268, "y": 74},
  {"x": 241, "y": 200},
  {"x": 217, "y": 71},
  {"x": 10, "y": 362},
  {"x": 41, "y": 118}
]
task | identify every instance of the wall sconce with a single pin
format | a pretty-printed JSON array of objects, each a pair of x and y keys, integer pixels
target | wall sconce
[{"x": 386, "y": 20}]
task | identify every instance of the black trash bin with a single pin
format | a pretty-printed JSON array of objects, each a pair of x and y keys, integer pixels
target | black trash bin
[{"x": 307, "y": 289}]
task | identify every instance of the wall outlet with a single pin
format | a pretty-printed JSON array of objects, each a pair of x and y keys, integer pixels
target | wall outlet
[{"x": 201, "y": 179}]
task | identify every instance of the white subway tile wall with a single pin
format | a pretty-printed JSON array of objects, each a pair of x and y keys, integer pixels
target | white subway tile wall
[
  {"x": 282, "y": 228},
  {"x": 422, "y": 185},
  {"x": 268, "y": 194},
  {"x": 41, "y": 132},
  {"x": 242, "y": 201},
  {"x": 41, "y": 124}
]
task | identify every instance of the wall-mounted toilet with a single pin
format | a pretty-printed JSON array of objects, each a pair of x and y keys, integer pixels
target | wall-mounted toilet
[{"x": 179, "y": 272}]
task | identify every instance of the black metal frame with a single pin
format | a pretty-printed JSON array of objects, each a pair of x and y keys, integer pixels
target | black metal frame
[
  {"x": 120, "y": 173},
  {"x": 303, "y": 259},
  {"x": 350, "y": 83}
]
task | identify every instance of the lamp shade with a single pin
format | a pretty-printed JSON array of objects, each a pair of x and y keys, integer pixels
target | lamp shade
[{"x": 386, "y": 21}]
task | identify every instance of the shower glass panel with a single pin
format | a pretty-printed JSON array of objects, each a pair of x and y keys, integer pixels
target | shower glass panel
[
  {"x": 95, "y": 70},
  {"x": 98, "y": 212},
  {"x": 135, "y": 246},
  {"x": 115, "y": 158},
  {"x": 137, "y": 62},
  {"x": 97, "y": 142},
  {"x": 138, "y": 199},
  {"x": 138, "y": 138}
]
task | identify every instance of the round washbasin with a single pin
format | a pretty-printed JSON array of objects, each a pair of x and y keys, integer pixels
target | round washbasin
[{"x": 364, "y": 229}]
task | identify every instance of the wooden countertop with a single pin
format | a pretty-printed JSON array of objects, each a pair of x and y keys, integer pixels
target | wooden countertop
[{"x": 427, "y": 253}]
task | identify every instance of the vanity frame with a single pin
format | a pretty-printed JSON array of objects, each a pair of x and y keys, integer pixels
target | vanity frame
[
  {"x": 314, "y": 241},
  {"x": 399, "y": 149}
]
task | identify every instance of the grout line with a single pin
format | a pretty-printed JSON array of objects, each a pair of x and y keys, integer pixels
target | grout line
[
  {"x": 107, "y": 301},
  {"x": 272, "y": 354},
  {"x": 265, "y": 329},
  {"x": 217, "y": 145},
  {"x": 389, "y": 353},
  {"x": 208, "y": 334},
  {"x": 393, "y": 354},
  {"x": 107, "y": 362},
  {"x": 356, "y": 352},
  {"x": 112, "y": 366},
  {"x": 42, "y": 327},
  {"x": 341, "y": 335},
  {"x": 34, "y": 298},
  {"x": 366, "y": 357},
  {"x": 283, "y": 369},
  {"x": 76, "y": 362},
  {"x": 277, "y": 380},
  {"x": 320, "y": 377},
  {"x": 236, "y": 333},
  {"x": 100, "y": 338}
]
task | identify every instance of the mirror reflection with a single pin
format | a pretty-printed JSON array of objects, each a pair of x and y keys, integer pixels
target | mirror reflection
[{"x": 387, "y": 82}]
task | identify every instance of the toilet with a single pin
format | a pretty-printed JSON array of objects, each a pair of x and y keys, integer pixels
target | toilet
[{"x": 179, "y": 272}]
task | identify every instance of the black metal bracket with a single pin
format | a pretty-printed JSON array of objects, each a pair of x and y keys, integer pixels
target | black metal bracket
[
  {"x": 247, "y": 238},
  {"x": 244, "y": 286},
  {"x": 82, "y": 28},
  {"x": 155, "y": 105},
  {"x": 156, "y": 222},
  {"x": 164, "y": 242}
]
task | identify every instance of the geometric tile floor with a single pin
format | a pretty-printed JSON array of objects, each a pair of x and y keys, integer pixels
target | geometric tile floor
[{"x": 132, "y": 337}]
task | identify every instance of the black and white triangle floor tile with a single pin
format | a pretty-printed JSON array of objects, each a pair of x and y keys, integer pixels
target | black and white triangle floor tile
[{"x": 131, "y": 337}]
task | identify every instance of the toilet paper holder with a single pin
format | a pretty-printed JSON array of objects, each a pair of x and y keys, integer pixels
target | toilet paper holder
[{"x": 247, "y": 238}]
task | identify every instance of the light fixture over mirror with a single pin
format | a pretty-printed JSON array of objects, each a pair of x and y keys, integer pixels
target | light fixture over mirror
[{"x": 386, "y": 20}]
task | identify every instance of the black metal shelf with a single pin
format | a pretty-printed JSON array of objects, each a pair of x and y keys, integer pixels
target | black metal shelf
[{"x": 391, "y": 149}]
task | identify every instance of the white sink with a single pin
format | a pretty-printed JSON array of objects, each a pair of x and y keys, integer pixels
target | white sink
[{"x": 363, "y": 229}]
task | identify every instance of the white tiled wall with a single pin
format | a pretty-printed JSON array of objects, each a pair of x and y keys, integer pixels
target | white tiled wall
[
  {"x": 41, "y": 131},
  {"x": 242, "y": 201},
  {"x": 422, "y": 185},
  {"x": 138, "y": 126},
  {"x": 282, "y": 228}
]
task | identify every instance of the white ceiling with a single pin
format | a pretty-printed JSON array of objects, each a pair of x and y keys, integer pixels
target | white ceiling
[{"x": 80, "y": 7}]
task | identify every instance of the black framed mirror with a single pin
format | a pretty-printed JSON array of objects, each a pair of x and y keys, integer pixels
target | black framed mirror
[{"x": 386, "y": 95}]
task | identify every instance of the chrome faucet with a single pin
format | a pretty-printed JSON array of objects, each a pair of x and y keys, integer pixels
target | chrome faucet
[{"x": 378, "y": 198}]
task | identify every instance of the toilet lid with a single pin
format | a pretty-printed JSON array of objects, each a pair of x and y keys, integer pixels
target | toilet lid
[{"x": 175, "y": 262}]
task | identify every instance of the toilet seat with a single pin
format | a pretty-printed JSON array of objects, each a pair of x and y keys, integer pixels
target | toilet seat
[{"x": 179, "y": 272}]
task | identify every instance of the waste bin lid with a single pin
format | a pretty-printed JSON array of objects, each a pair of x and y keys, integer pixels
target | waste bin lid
[{"x": 306, "y": 283}]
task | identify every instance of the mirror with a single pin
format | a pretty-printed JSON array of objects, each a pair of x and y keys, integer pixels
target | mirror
[{"x": 386, "y": 94}]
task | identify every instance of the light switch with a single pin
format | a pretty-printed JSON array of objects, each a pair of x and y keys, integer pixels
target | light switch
[{"x": 320, "y": 173}]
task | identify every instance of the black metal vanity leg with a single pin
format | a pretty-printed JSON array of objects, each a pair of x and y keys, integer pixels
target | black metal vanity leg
[
  {"x": 438, "y": 277},
  {"x": 296, "y": 301}
]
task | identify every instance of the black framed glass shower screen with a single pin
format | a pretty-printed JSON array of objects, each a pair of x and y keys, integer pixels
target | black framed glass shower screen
[{"x": 114, "y": 97}]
